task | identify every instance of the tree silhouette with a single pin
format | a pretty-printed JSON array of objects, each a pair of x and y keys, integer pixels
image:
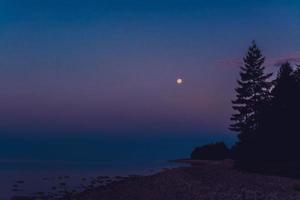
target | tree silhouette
[
  {"x": 252, "y": 93},
  {"x": 216, "y": 151},
  {"x": 274, "y": 143},
  {"x": 282, "y": 126},
  {"x": 274, "y": 122}
]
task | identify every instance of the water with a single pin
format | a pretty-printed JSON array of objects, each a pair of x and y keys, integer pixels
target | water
[
  {"x": 42, "y": 176},
  {"x": 39, "y": 161}
]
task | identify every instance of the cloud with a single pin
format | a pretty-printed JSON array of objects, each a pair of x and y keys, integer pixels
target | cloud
[{"x": 293, "y": 57}]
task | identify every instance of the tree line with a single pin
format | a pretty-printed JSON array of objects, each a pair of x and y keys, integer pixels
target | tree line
[
  {"x": 266, "y": 119},
  {"x": 267, "y": 115}
]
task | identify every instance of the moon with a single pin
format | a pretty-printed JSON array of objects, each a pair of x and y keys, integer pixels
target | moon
[{"x": 179, "y": 81}]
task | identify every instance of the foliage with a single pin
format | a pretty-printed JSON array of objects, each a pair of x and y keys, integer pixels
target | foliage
[
  {"x": 217, "y": 151},
  {"x": 252, "y": 93},
  {"x": 268, "y": 118}
]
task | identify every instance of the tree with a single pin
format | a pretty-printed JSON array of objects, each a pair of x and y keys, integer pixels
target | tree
[
  {"x": 216, "y": 151},
  {"x": 253, "y": 92},
  {"x": 267, "y": 117},
  {"x": 284, "y": 89},
  {"x": 282, "y": 122},
  {"x": 275, "y": 143},
  {"x": 297, "y": 93}
]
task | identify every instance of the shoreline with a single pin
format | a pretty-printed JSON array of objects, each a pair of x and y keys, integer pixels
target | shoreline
[
  {"x": 207, "y": 180},
  {"x": 193, "y": 162},
  {"x": 203, "y": 179}
]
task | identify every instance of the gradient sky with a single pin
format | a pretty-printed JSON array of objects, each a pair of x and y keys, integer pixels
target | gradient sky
[{"x": 110, "y": 66}]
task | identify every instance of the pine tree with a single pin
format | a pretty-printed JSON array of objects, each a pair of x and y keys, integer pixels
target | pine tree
[
  {"x": 284, "y": 90},
  {"x": 252, "y": 92},
  {"x": 279, "y": 134}
]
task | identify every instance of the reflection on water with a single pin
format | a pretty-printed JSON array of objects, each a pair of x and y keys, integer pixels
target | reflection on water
[
  {"x": 32, "y": 158},
  {"x": 42, "y": 177}
]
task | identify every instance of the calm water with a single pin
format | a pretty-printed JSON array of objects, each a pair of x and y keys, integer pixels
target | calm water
[
  {"x": 39, "y": 162},
  {"x": 40, "y": 176}
]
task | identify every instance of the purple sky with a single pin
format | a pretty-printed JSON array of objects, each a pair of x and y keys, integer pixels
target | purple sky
[{"x": 111, "y": 66}]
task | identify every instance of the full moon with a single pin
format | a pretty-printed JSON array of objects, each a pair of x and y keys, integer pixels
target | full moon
[{"x": 179, "y": 81}]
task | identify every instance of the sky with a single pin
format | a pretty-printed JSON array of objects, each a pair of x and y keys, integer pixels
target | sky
[
  {"x": 109, "y": 67},
  {"x": 90, "y": 85}
]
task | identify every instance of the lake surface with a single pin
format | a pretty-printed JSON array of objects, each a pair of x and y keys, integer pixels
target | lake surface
[
  {"x": 42, "y": 176},
  {"x": 42, "y": 162}
]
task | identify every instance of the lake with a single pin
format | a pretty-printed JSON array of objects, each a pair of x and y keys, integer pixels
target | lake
[{"x": 42, "y": 163}]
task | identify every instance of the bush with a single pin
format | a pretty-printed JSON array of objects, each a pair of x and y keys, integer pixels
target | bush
[{"x": 216, "y": 151}]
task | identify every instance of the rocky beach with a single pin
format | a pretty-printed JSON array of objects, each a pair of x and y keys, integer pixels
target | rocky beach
[{"x": 201, "y": 182}]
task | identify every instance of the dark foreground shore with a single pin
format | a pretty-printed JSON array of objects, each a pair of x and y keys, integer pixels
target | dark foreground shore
[{"x": 202, "y": 182}]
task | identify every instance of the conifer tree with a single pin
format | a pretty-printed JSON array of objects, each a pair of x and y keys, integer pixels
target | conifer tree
[
  {"x": 252, "y": 92},
  {"x": 284, "y": 90},
  {"x": 280, "y": 125}
]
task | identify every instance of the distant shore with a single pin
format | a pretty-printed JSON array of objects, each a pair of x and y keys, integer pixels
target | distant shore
[
  {"x": 205, "y": 180},
  {"x": 228, "y": 163}
]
